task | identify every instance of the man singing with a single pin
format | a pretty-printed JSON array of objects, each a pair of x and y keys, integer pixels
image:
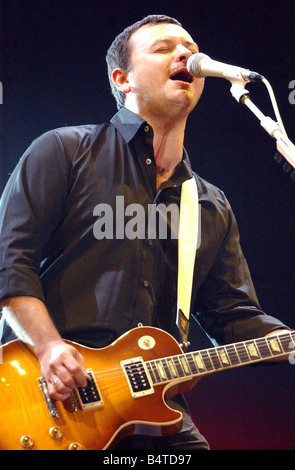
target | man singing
[{"x": 58, "y": 281}]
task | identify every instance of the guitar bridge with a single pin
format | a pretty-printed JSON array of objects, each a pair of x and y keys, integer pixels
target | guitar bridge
[
  {"x": 89, "y": 397},
  {"x": 138, "y": 377},
  {"x": 50, "y": 403}
]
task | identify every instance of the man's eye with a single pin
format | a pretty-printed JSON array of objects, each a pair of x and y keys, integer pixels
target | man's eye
[{"x": 164, "y": 49}]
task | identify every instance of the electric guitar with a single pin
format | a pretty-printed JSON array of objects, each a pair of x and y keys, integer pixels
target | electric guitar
[{"x": 126, "y": 395}]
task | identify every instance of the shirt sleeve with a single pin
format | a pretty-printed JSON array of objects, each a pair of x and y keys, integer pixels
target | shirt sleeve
[
  {"x": 226, "y": 305},
  {"x": 30, "y": 208}
]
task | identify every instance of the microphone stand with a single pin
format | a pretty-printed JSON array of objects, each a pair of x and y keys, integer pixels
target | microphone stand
[{"x": 284, "y": 146}]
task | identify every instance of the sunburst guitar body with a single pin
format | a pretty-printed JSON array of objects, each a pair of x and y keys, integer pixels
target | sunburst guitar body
[{"x": 130, "y": 380}]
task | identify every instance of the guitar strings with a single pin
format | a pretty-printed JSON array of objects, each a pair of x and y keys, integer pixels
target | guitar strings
[
  {"x": 243, "y": 356},
  {"x": 240, "y": 353}
]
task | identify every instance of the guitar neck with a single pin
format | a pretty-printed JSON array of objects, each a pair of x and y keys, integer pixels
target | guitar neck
[{"x": 210, "y": 360}]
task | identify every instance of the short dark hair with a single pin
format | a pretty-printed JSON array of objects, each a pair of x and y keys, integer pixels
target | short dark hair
[{"x": 118, "y": 54}]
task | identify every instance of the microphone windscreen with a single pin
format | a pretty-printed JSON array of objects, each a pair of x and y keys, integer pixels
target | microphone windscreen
[{"x": 193, "y": 64}]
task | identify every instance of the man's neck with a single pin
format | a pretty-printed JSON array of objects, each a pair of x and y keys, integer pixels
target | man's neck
[
  {"x": 168, "y": 147},
  {"x": 168, "y": 141}
]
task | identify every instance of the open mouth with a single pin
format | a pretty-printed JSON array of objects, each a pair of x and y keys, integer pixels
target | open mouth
[{"x": 182, "y": 75}]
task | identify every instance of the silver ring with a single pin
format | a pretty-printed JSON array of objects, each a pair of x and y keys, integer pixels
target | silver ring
[{"x": 55, "y": 381}]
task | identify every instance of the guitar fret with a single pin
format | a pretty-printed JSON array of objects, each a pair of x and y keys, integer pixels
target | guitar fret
[
  {"x": 274, "y": 345},
  {"x": 172, "y": 367},
  {"x": 198, "y": 361},
  {"x": 252, "y": 349},
  {"x": 161, "y": 370},
  {"x": 242, "y": 352},
  {"x": 151, "y": 372},
  {"x": 232, "y": 354},
  {"x": 214, "y": 359},
  {"x": 177, "y": 366},
  {"x": 224, "y": 358},
  {"x": 192, "y": 364},
  {"x": 155, "y": 372},
  {"x": 167, "y": 369},
  {"x": 207, "y": 360},
  {"x": 286, "y": 342},
  {"x": 185, "y": 365},
  {"x": 263, "y": 347}
]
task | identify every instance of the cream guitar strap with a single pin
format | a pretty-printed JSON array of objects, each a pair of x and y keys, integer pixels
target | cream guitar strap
[{"x": 188, "y": 239}]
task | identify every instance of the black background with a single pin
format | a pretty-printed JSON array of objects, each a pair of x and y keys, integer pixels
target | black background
[{"x": 54, "y": 74}]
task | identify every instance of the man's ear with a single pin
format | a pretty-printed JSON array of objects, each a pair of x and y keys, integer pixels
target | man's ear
[{"x": 120, "y": 79}]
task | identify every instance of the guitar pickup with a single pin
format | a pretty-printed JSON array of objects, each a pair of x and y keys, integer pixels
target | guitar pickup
[
  {"x": 89, "y": 397},
  {"x": 137, "y": 377}
]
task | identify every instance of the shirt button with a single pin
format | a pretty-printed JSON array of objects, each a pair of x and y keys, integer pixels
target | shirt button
[
  {"x": 148, "y": 161},
  {"x": 146, "y": 128},
  {"x": 145, "y": 283}
]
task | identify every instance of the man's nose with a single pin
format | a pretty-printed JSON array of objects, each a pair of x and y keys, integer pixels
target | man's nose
[{"x": 182, "y": 54}]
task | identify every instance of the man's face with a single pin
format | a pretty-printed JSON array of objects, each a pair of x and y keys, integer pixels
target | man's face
[{"x": 158, "y": 79}]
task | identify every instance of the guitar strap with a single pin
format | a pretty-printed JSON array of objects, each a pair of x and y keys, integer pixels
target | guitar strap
[
  {"x": 1, "y": 326},
  {"x": 188, "y": 239}
]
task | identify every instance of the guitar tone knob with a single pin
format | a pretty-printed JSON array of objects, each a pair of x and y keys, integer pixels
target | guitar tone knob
[
  {"x": 27, "y": 441},
  {"x": 75, "y": 446},
  {"x": 55, "y": 432}
]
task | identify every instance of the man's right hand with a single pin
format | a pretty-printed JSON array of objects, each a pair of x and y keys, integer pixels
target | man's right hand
[
  {"x": 61, "y": 363},
  {"x": 63, "y": 368}
]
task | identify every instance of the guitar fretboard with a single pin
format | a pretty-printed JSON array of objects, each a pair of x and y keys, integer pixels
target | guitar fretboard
[{"x": 222, "y": 357}]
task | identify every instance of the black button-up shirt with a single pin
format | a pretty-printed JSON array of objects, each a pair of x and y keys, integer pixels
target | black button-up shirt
[{"x": 97, "y": 288}]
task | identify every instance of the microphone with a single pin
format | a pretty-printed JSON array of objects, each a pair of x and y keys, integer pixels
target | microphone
[{"x": 201, "y": 65}]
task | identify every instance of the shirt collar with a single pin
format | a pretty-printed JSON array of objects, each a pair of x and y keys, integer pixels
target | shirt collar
[{"x": 127, "y": 123}]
